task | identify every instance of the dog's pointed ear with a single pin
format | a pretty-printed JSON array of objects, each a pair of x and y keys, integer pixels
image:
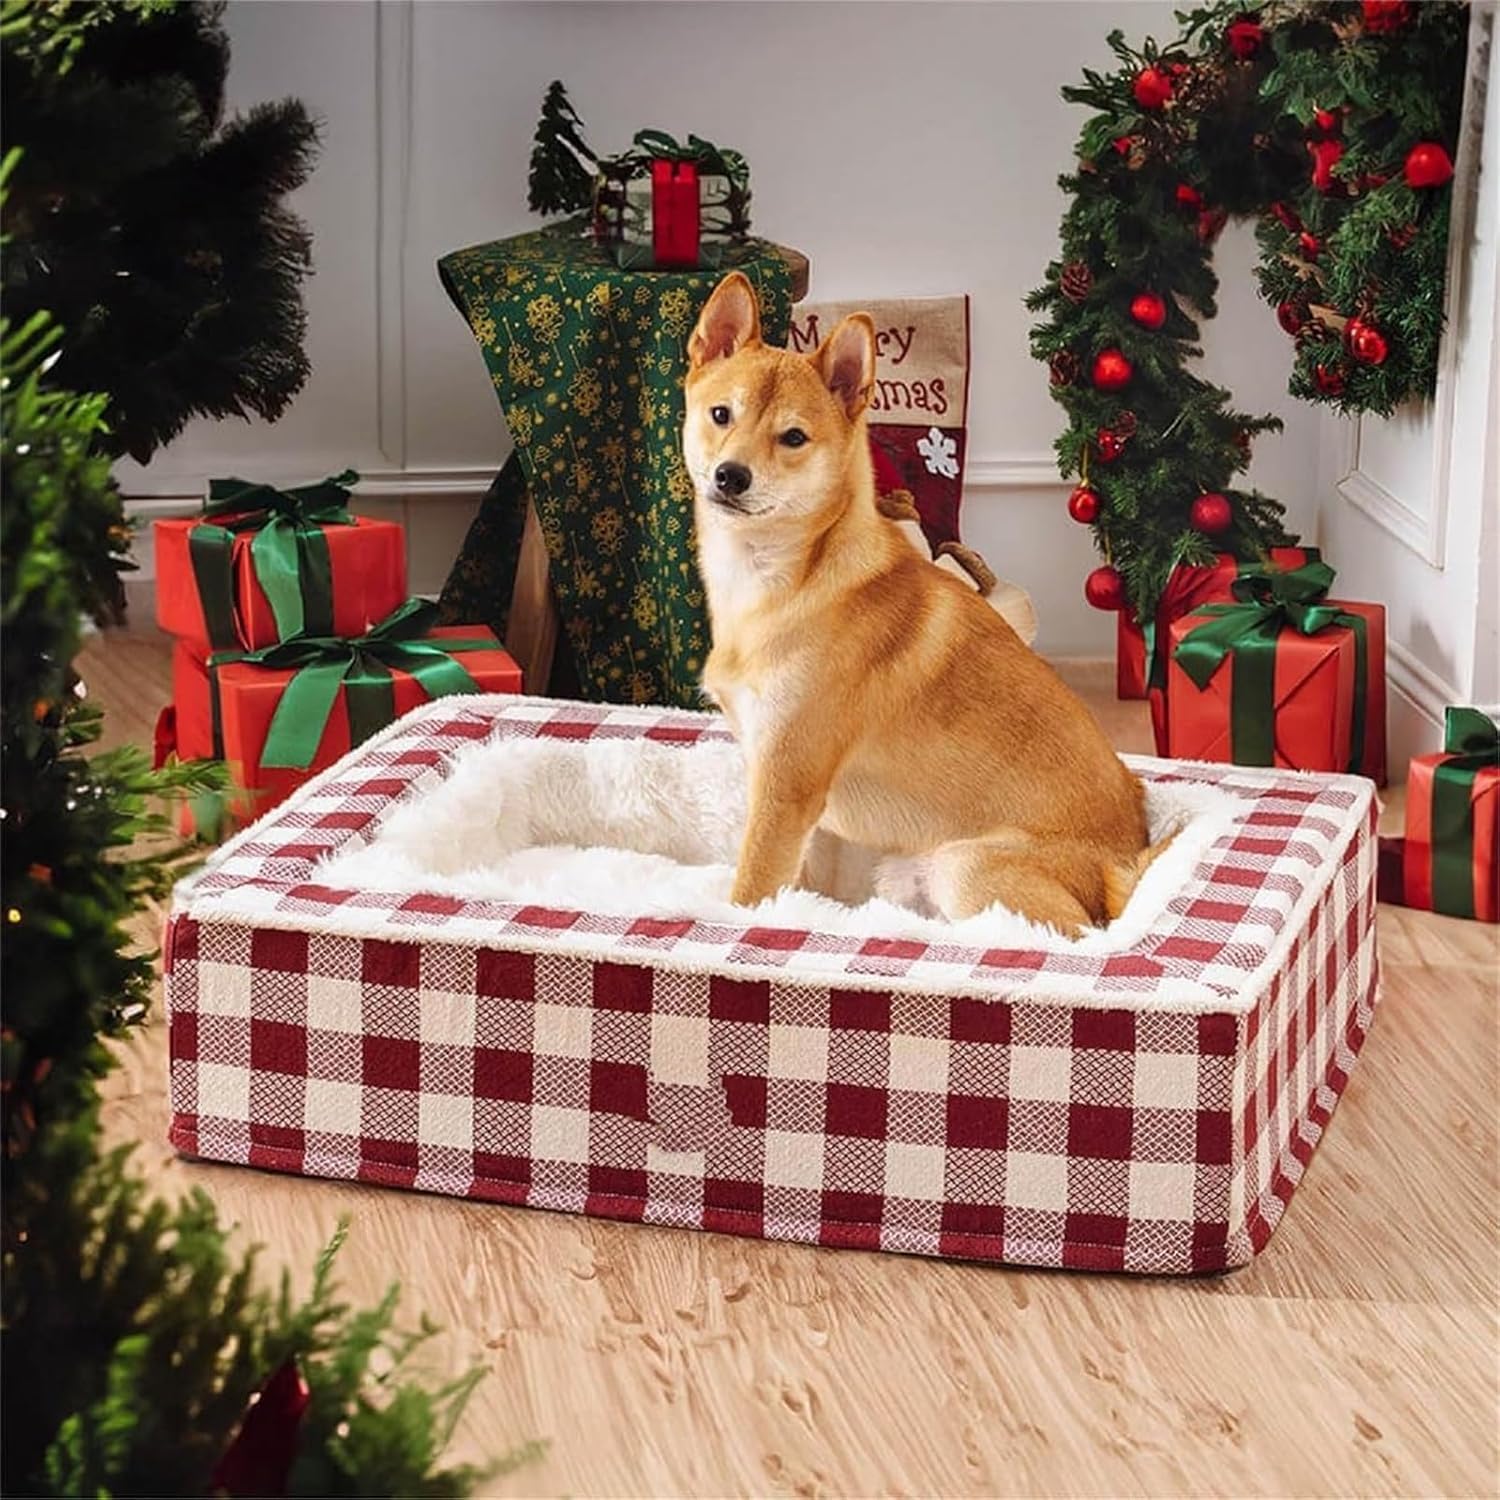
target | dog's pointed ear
[
  {"x": 846, "y": 361},
  {"x": 729, "y": 321}
]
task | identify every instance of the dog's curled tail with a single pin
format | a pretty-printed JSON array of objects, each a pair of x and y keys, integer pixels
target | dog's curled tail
[{"x": 1120, "y": 881}]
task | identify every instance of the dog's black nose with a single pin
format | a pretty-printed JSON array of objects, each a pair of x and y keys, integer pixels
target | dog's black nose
[{"x": 732, "y": 479}]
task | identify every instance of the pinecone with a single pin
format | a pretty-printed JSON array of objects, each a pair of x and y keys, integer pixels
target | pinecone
[
  {"x": 1075, "y": 281},
  {"x": 1124, "y": 426},
  {"x": 1199, "y": 87},
  {"x": 1064, "y": 367},
  {"x": 1314, "y": 331}
]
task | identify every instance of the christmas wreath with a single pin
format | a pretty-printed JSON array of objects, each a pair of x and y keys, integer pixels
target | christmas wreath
[{"x": 1335, "y": 126}]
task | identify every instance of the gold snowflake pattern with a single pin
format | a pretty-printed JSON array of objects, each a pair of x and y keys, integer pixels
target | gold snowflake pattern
[
  {"x": 608, "y": 528},
  {"x": 544, "y": 316},
  {"x": 643, "y": 608},
  {"x": 586, "y": 391},
  {"x": 675, "y": 311}
]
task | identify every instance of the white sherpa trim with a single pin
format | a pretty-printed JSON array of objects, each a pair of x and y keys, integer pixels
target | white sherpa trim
[{"x": 633, "y": 828}]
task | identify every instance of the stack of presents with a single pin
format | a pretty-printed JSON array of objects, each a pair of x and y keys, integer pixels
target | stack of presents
[
  {"x": 1254, "y": 663},
  {"x": 295, "y": 640}
]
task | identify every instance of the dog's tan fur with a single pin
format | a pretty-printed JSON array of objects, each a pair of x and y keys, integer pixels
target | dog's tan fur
[{"x": 873, "y": 694}]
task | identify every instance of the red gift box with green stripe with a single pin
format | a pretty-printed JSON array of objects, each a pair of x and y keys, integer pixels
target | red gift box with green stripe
[
  {"x": 1453, "y": 821},
  {"x": 282, "y": 713},
  {"x": 261, "y": 565},
  {"x": 1283, "y": 676}
]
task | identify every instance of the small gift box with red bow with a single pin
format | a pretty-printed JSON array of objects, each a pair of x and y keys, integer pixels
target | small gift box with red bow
[
  {"x": 1447, "y": 862},
  {"x": 1279, "y": 677},
  {"x": 261, "y": 565},
  {"x": 664, "y": 206},
  {"x": 283, "y": 712}
]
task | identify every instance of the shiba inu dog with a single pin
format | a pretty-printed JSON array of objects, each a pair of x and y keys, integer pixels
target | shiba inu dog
[{"x": 872, "y": 693}]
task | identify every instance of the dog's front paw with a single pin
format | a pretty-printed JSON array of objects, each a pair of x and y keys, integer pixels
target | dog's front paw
[{"x": 749, "y": 891}]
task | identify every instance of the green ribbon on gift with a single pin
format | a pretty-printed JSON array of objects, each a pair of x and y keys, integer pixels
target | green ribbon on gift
[
  {"x": 289, "y": 552},
  {"x": 360, "y": 668},
  {"x": 1471, "y": 742},
  {"x": 1270, "y": 600},
  {"x": 657, "y": 145}
]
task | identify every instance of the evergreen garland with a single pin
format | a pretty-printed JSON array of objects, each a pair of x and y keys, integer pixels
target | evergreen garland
[
  {"x": 1233, "y": 118},
  {"x": 153, "y": 230}
]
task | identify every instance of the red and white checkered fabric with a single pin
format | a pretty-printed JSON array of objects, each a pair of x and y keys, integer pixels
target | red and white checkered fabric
[{"x": 1146, "y": 1109}]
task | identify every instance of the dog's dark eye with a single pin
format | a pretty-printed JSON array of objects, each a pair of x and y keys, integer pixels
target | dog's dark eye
[
  {"x": 720, "y": 414},
  {"x": 793, "y": 437}
]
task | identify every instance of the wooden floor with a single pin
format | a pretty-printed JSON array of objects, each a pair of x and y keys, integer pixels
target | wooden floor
[{"x": 1357, "y": 1356}]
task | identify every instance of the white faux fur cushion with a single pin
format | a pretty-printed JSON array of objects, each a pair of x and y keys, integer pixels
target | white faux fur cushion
[{"x": 625, "y": 827}]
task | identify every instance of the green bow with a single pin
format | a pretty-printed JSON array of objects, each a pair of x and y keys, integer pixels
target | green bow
[
  {"x": 360, "y": 667},
  {"x": 1270, "y": 600},
  {"x": 1471, "y": 744},
  {"x": 289, "y": 552},
  {"x": 651, "y": 145}
]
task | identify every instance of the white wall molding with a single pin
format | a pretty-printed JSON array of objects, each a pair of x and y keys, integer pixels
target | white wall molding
[
  {"x": 1425, "y": 532},
  {"x": 1422, "y": 531},
  {"x": 393, "y": 126},
  {"x": 1013, "y": 471},
  {"x": 1423, "y": 688}
]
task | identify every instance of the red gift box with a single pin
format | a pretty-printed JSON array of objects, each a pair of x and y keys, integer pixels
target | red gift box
[
  {"x": 1186, "y": 589},
  {"x": 248, "y": 695},
  {"x": 368, "y": 560},
  {"x": 1453, "y": 830},
  {"x": 1313, "y": 701}
]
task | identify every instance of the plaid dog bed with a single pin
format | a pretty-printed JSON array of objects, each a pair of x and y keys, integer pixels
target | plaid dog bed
[{"x": 1148, "y": 1108}]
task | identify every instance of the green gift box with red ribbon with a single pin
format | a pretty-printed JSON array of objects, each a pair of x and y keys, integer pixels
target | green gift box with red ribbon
[
  {"x": 283, "y": 712},
  {"x": 261, "y": 565},
  {"x": 1448, "y": 862},
  {"x": 1282, "y": 676}
]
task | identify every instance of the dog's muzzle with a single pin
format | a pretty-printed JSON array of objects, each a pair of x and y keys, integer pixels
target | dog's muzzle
[{"x": 731, "y": 480}]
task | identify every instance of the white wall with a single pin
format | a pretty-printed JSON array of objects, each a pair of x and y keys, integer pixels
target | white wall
[
  {"x": 907, "y": 148},
  {"x": 1410, "y": 507}
]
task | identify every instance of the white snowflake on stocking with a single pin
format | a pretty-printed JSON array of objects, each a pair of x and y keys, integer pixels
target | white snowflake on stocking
[{"x": 939, "y": 453}]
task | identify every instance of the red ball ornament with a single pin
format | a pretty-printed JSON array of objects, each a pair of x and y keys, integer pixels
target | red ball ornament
[
  {"x": 1329, "y": 379},
  {"x": 1149, "y": 310},
  {"x": 1312, "y": 246},
  {"x": 1244, "y": 37},
  {"x": 1385, "y": 16},
  {"x": 1211, "y": 514},
  {"x": 1325, "y": 154},
  {"x": 1325, "y": 119},
  {"x": 1083, "y": 505},
  {"x": 1104, "y": 588},
  {"x": 1428, "y": 165},
  {"x": 1153, "y": 87},
  {"x": 1110, "y": 445},
  {"x": 1291, "y": 315},
  {"x": 1365, "y": 342},
  {"x": 1189, "y": 197},
  {"x": 1112, "y": 371},
  {"x": 1210, "y": 222}
]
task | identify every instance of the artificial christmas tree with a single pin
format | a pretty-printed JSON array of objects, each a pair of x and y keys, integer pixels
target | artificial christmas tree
[
  {"x": 135, "y": 1339},
  {"x": 153, "y": 229}
]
